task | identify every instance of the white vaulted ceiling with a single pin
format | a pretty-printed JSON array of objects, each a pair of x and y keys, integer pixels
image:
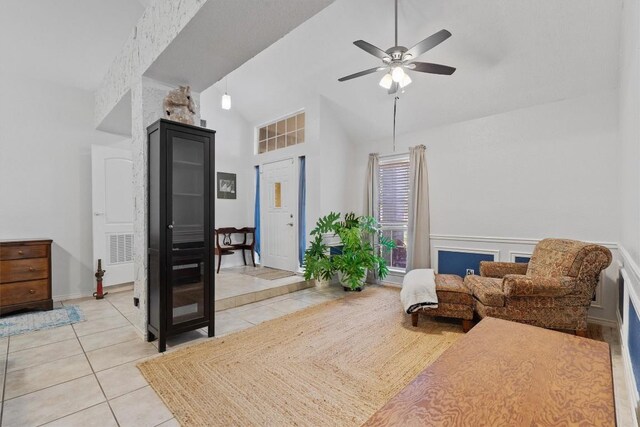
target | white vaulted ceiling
[
  {"x": 509, "y": 54},
  {"x": 226, "y": 33},
  {"x": 68, "y": 42}
]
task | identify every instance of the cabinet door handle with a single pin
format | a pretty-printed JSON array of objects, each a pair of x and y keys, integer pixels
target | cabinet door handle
[
  {"x": 170, "y": 226},
  {"x": 32, "y": 291}
]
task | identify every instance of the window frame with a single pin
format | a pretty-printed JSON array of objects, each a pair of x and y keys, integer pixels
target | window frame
[
  {"x": 276, "y": 134},
  {"x": 391, "y": 226}
]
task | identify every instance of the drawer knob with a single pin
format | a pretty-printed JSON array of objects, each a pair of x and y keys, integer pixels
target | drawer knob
[
  {"x": 32, "y": 291},
  {"x": 32, "y": 269},
  {"x": 20, "y": 252}
]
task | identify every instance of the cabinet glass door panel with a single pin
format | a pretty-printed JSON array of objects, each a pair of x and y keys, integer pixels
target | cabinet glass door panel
[{"x": 187, "y": 241}]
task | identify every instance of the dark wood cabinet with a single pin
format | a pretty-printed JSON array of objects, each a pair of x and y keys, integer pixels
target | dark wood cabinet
[
  {"x": 25, "y": 275},
  {"x": 180, "y": 230}
]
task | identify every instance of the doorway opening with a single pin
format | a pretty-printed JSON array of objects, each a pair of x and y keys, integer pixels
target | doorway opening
[
  {"x": 279, "y": 215},
  {"x": 113, "y": 212}
]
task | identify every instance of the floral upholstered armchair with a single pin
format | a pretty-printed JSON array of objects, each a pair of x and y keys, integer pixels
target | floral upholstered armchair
[{"x": 554, "y": 290}]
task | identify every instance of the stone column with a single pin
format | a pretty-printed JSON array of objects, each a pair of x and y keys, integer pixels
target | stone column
[{"x": 139, "y": 149}]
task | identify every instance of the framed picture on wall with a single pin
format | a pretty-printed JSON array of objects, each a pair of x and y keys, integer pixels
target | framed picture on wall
[{"x": 226, "y": 185}]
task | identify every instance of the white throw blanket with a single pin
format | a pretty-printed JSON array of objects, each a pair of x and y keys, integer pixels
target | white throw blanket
[{"x": 419, "y": 290}]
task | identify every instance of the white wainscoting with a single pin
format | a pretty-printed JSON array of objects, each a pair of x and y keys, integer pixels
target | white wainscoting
[
  {"x": 603, "y": 309},
  {"x": 631, "y": 275}
]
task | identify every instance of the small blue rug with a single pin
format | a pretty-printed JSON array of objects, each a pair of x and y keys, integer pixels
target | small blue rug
[{"x": 37, "y": 321}]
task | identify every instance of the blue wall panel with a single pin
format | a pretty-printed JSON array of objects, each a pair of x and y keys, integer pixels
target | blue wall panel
[
  {"x": 335, "y": 250},
  {"x": 634, "y": 342},
  {"x": 451, "y": 262},
  {"x": 621, "y": 296},
  {"x": 522, "y": 259}
]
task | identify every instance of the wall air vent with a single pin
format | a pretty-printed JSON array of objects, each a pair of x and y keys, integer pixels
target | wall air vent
[{"x": 120, "y": 248}]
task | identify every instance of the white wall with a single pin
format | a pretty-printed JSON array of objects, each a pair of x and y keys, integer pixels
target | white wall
[
  {"x": 328, "y": 152},
  {"x": 327, "y": 149},
  {"x": 547, "y": 170},
  {"x": 629, "y": 158},
  {"x": 514, "y": 178},
  {"x": 234, "y": 154},
  {"x": 629, "y": 175},
  {"x": 337, "y": 153},
  {"x": 46, "y": 133}
]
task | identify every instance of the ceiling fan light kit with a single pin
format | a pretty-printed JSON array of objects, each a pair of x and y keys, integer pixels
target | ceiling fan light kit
[
  {"x": 398, "y": 59},
  {"x": 406, "y": 81},
  {"x": 397, "y": 74},
  {"x": 386, "y": 81}
]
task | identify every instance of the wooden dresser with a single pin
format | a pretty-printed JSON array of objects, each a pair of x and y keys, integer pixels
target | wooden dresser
[{"x": 25, "y": 275}]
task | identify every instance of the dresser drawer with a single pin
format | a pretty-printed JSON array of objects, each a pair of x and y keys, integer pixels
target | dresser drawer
[
  {"x": 23, "y": 251},
  {"x": 18, "y": 270},
  {"x": 21, "y": 292}
]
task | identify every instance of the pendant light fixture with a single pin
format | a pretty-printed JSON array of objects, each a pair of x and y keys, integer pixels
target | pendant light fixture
[{"x": 225, "y": 102}]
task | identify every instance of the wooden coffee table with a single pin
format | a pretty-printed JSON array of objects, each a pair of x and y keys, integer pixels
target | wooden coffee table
[{"x": 508, "y": 374}]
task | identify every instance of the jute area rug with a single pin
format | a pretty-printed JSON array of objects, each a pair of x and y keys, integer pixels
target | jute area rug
[{"x": 333, "y": 364}]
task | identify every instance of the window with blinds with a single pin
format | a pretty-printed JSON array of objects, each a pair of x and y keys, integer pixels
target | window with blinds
[{"x": 393, "y": 208}]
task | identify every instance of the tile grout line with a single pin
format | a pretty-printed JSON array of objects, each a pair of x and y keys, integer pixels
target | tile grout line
[
  {"x": 53, "y": 385},
  {"x": 73, "y": 413},
  {"x": 43, "y": 345},
  {"x": 95, "y": 376},
  {"x": 4, "y": 378},
  {"x": 148, "y": 385},
  {"x": 39, "y": 364},
  {"x": 93, "y": 372}
]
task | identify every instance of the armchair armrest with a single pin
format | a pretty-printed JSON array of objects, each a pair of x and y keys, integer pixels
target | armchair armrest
[
  {"x": 498, "y": 270},
  {"x": 519, "y": 285}
]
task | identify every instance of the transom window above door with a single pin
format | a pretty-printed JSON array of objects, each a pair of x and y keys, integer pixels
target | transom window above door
[{"x": 282, "y": 133}]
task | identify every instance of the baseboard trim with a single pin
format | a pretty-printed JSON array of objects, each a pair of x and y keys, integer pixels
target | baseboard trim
[
  {"x": 58, "y": 298},
  {"x": 603, "y": 322},
  {"x": 632, "y": 389}
]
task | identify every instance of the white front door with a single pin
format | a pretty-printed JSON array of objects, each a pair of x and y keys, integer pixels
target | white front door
[
  {"x": 279, "y": 211},
  {"x": 112, "y": 200}
]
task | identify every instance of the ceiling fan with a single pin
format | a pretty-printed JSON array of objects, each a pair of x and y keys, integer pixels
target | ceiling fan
[{"x": 398, "y": 58}]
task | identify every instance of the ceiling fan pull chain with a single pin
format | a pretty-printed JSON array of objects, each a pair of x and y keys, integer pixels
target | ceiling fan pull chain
[{"x": 395, "y": 101}]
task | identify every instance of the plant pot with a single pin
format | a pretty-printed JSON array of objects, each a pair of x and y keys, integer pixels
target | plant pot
[{"x": 346, "y": 287}]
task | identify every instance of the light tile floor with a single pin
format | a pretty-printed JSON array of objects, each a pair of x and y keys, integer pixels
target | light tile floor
[{"x": 85, "y": 374}]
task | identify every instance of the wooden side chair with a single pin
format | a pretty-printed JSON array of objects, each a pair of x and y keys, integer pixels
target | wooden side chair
[{"x": 228, "y": 246}]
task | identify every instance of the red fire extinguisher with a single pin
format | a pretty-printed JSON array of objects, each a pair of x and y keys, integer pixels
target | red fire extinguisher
[{"x": 99, "y": 273}]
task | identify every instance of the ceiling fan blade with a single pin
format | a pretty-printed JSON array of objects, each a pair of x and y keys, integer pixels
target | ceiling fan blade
[
  {"x": 359, "y": 74},
  {"x": 427, "y": 67},
  {"x": 373, "y": 50},
  {"x": 428, "y": 43},
  {"x": 394, "y": 88}
]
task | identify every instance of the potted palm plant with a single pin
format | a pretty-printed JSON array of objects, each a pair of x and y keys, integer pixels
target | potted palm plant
[{"x": 359, "y": 251}]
